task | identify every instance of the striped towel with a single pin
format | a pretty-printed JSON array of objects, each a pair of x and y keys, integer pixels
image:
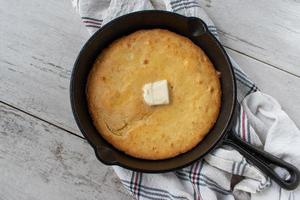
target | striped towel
[{"x": 261, "y": 122}]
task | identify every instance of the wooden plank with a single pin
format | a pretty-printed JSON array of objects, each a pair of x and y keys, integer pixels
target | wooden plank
[
  {"x": 39, "y": 161},
  {"x": 268, "y": 30},
  {"x": 39, "y": 44},
  {"x": 282, "y": 86}
]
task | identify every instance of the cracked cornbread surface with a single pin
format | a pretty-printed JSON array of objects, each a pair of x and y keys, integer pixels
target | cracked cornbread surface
[{"x": 115, "y": 96}]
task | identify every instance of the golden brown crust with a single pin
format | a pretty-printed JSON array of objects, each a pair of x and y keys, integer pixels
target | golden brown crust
[{"x": 115, "y": 100}]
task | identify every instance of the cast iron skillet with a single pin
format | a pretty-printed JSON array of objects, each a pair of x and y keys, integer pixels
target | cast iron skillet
[{"x": 221, "y": 133}]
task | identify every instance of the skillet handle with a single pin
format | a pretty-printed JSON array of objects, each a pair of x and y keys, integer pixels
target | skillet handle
[{"x": 264, "y": 161}]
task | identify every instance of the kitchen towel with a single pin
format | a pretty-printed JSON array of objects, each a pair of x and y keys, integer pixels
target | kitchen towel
[{"x": 261, "y": 122}]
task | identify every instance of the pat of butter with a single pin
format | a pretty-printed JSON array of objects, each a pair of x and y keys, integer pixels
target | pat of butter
[{"x": 156, "y": 93}]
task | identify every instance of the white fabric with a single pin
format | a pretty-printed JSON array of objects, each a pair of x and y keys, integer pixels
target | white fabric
[
  {"x": 280, "y": 135},
  {"x": 268, "y": 127}
]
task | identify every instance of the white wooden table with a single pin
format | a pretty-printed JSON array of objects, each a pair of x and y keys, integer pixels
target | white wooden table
[{"x": 43, "y": 154}]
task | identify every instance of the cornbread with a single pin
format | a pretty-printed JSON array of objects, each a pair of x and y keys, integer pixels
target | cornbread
[{"x": 115, "y": 94}]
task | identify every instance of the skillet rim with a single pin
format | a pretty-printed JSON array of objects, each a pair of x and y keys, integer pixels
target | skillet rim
[{"x": 217, "y": 142}]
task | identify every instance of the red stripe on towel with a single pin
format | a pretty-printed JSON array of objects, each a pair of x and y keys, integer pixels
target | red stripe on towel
[{"x": 243, "y": 126}]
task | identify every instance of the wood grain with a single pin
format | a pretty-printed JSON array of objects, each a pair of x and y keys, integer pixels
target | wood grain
[
  {"x": 35, "y": 75},
  {"x": 39, "y": 161},
  {"x": 267, "y": 30},
  {"x": 39, "y": 44},
  {"x": 284, "y": 87}
]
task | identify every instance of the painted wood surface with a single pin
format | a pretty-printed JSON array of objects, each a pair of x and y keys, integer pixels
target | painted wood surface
[
  {"x": 39, "y": 41},
  {"x": 39, "y": 44},
  {"x": 284, "y": 87},
  {"x": 267, "y": 30},
  {"x": 35, "y": 75},
  {"x": 40, "y": 161}
]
